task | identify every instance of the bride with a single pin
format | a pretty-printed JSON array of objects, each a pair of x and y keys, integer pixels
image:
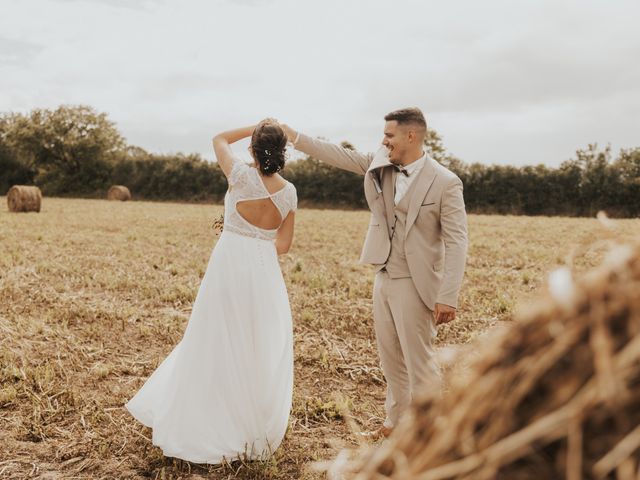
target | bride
[{"x": 225, "y": 390}]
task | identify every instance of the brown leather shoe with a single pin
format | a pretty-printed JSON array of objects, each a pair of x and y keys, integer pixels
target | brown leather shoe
[{"x": 377, "y": 434}]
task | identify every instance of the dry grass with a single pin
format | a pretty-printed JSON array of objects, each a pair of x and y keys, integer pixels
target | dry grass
[
  {"x": 555, "y": 396},
  {"x": 93, "y": 294}
]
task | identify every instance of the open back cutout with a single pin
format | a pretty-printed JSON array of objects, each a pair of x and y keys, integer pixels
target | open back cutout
[{"x": 261, "y": 213}]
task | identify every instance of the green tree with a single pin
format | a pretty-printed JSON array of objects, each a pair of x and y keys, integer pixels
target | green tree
[
  {"x": 12, "y": 170},
  {"x": 435, "y": 148},
  {"x": 598, "y": 181},
  {"x": 70, "y": 148},
  {"x": 628, "y": 166},
  {"x": 169, "y": 177}
]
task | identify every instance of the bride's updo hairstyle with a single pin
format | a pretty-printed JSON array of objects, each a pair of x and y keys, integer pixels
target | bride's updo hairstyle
[{"x": 268, "y": 144}]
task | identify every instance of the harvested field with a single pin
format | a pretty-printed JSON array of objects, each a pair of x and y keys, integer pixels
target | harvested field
[{"x": 94, "y": 294}]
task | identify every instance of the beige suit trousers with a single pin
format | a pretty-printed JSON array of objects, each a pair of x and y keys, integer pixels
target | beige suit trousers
[{"x": 405, "y": 332}]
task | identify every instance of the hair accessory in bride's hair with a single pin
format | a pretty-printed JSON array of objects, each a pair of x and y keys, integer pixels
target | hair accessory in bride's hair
[{"x": 268, "y": 146}]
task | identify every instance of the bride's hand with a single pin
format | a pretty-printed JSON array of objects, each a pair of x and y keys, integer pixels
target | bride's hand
[{"x": 290, "y": 132}]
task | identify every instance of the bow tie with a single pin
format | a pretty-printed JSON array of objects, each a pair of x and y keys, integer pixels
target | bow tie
[{"x": 400, "y": 168}]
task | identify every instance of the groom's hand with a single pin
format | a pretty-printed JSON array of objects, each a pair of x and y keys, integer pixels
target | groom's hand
[{"x": 444, "y": 313}]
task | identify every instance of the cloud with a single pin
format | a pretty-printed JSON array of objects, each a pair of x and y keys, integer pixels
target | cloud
[
  {"x": 131, "y": 4},
  {"x": 17, "y": 52},
  {"x": 504, "y": 81},
  {"x": 186, "y": 83}
]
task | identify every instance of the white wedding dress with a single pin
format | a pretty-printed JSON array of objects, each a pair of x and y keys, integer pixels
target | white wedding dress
[{"x": 225, "y": 390}]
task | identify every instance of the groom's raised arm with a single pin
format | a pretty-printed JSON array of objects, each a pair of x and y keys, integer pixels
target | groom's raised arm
[{"x": 334, "y": 155}]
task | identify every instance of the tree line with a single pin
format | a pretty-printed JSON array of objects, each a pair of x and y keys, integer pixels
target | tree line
[{"x": 75, "y": 151}]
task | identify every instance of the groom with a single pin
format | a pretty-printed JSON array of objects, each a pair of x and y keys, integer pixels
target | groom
[{"x": 417, "y": 242}]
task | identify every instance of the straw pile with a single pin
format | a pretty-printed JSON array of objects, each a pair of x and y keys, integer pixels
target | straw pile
[
  {"x": 22, "y": 198},
  {"x": 556, "y": 395},
  {"x": 119, "y": 192}
]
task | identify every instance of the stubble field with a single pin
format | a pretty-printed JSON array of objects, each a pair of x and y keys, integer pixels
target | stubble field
[{"x": 94, "y": 294}]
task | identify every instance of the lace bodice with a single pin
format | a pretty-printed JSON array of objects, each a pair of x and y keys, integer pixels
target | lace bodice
[{"x": 245, "y": 184}]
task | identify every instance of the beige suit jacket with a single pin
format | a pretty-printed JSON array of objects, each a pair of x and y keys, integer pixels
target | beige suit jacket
[{"x": 436, "y": 228}]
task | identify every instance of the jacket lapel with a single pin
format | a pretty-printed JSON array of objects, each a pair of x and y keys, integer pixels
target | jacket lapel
[
  {"x": 373, "y": 194},
  {"x": 380, "y": 159},
  {"x": 422, "y": 184},
  {"x": 388, "y": 194},
  {"x": 377, "y": 184}
]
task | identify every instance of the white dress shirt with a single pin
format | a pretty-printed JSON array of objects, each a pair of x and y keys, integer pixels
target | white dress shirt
[{"x": 403, "y": 182}]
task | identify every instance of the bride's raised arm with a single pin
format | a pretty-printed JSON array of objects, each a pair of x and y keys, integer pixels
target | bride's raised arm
[{"x": 221, "y": 142}]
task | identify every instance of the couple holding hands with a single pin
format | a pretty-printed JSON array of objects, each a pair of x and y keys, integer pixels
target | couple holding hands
[{"x": 225, "y": 390}]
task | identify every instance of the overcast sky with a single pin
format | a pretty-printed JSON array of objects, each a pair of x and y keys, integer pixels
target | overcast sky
[{"x": 503, "y": 81}]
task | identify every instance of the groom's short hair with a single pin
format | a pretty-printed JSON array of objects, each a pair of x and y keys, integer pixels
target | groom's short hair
[{"x": 406, "y": 116}]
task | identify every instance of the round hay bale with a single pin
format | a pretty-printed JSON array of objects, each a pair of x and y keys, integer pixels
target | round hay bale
[
  {"x": 23, "y": 198},
  {"x": 119, "y": 192},
  {"x": 555, "y": 395}
]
